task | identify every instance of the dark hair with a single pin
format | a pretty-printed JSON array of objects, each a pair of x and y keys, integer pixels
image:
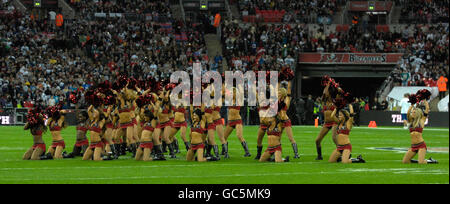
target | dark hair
[
  {"x": 346, "y": 117},
  {"x": 84, "y": 114},
  {"x": 199, "y": 113}
]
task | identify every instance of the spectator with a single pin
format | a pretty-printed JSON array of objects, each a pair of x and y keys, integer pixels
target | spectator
[
  {"x": 357, "y": 110},
  {"x": 442, "y": 86},
  {"x": 404, "y": 103},
  {"x": 384, "y": 105},
  {"x": 300, "y": 110},
  {"x": 376, "y": 105}
]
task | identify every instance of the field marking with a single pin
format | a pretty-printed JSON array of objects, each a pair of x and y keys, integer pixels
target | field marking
[
  {"x": 402, "y": 150},
  {"x": 342, "y": 171},
  {"x": 324, "y": 162},
  {"x": 400, "y": 170},
  {"x": 400, "y": 128},
  {"x": 13, "y": 148}
]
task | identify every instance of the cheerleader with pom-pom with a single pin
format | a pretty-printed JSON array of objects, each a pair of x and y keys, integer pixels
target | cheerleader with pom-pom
[
  {"x": 36, "y": 125},
  {"x": 417, "y": 115}
]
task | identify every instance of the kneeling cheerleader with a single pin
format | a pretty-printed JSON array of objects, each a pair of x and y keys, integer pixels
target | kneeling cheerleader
[{"x": 36, "y": 125}]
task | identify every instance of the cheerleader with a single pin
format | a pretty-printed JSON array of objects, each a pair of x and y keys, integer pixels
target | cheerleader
[
  {"x": 118, "y": 141},
  {"x": 124, "y": 110},
  {"x": 329, "y": 122},
  {"x": 163, "y": 126},
  {"x": 96, "y": 128},
  {"x": 344, "y": 148},
  {"x": 162, "y": 120},
  {"x": 56, "y": 122},
  {"x": 235, "y": 122},
  {"x": 284, "y": 97},
  {"x": 264, "y": 122},
  {"x": 108, "y": 136},
  {"x": 36, "y": 125},
  {"x": 146, "y": 144},
  {"x": 82, "y": 142},
  {"x": 179, "y": 124},
  {"x": 211, "y": 131},
  {"x": 416, "y": 118},
  {"x": 196, "y": 135},
  {"x": 274, "y": 141},
  {"x": 218, "y": 123}
]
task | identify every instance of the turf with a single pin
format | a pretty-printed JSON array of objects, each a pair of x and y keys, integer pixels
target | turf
[{"x": 383, "y": 166}]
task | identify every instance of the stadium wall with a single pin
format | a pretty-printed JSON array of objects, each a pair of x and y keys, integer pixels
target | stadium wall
[
  {"x": 382, "y": 118},
  {"x": 394, "y": 118}
]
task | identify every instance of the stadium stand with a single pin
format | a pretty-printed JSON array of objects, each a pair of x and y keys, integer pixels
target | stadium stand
[
  {"x": 109, "y": 36},
  {"x": 423, "y": 11},
  {"x": 44, "y": 65},
  {"x": 304, "y": 11}
]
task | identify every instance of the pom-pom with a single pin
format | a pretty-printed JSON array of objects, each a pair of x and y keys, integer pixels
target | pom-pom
[
  {"x": 286, "y": 74},
  {"x": 340, "y": 103},
  {"x": 423, "y": 94},
  {"x": 325, "y": 80},
  {"x": 52, "y": 111},
  {"x": 144, "y": 100},
  {"x": 116, "y": 86},
  {"x": 33, "y": 116},
  {"x": 74, "y": 97},
  {"x": 109, "y": 100},
  {"x": 104, "y": 87},
  {"x": 92, "y": 98},
  {"x": 122, "y": 81},
  {"x": 413, "y": 99},
  {"x": 132, "y": 82}
]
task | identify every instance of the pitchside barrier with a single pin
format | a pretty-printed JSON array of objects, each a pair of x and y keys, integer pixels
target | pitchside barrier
[
  {"x": 394, "y": 118},
  {"x": 17, "y": 116}
]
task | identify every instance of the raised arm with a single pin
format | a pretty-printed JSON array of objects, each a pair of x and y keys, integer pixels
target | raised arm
[
  {"x": 350, "y": 120},
  {"x": 288, "y": 96},
  {"x": 333, "y": 114},
  {"x": 27, "y": 126},
  {"x": 408, "y": 114}
]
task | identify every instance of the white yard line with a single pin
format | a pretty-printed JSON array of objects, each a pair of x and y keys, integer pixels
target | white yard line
[
  {"x": 343, "y": 171},
  {"x": 401, "y": 128}
]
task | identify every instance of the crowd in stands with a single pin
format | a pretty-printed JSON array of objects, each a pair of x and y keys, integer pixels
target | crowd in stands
[
  {"x": 4, "y": 4},
  {"x": 260, "y": 46},
  {"x": 155, "y": 9},
  {"x": 426, "y": 57},
  {"x": 43, "y": 66},
  {"x": 304, "y": 11},
  {"x": 424, "y": 11},
  {"x": 39, "y": 63}
]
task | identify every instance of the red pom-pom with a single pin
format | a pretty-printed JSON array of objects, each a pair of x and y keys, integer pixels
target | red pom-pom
[
  {"x": 104, "y": 86},
  {"x": 325, "y": 80},
  {"x": 413, "y": 99},
  {"x": 340, "y": 103},
  {"x": 423, "y": 94},
  {"x": 52, "y": 111},
  {"x": 109, "y": 100},
  {"x": 74, "y": 97},
  {"x": 122, "y": 81},
  {"x": 132, "y": 82},
  {"x": 286, "y": 74}
]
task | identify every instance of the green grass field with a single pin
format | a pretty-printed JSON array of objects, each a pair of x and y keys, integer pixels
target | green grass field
[{"x": 383, "y": 166}]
